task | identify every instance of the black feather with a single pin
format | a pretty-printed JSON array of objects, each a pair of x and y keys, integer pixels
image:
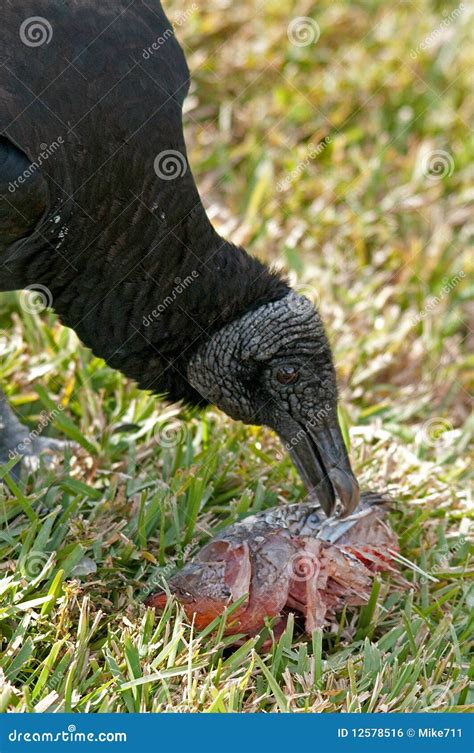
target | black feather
[{"x": 111, "y": 239}]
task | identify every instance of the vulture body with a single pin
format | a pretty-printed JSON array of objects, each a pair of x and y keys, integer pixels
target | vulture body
[
  {"x": 108, "y": 237},
  {"x": 101, "y": 214}
]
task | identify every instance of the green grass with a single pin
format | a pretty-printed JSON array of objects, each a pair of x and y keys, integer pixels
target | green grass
[{"x": 374, "y": 239}]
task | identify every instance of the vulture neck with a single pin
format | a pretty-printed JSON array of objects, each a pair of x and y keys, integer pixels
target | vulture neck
[{"x": 155, "y": 286}]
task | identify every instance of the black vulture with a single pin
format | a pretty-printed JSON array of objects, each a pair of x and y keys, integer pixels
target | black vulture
[{"x": 100, "y": 214}]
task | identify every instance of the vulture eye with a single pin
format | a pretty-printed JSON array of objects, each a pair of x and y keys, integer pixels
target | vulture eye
[{"x": 287, "y": 375}]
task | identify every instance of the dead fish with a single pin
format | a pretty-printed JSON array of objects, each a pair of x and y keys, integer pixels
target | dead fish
[{"x": 286, "y": 558}]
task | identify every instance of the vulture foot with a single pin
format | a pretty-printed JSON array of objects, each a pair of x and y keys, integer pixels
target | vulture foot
[{"x": 17, "y": 440}]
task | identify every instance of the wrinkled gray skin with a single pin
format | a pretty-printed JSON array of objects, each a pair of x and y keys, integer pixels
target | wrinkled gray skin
[
  {"x": 15, "y": 439},
  {"x": 237, "y": 370}
]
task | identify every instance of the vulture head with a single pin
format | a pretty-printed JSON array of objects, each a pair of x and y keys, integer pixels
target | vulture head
[{"x": 274, "y": 367}]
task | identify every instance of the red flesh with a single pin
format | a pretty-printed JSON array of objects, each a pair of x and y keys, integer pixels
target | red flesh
[{"x": 267, "y": 560}]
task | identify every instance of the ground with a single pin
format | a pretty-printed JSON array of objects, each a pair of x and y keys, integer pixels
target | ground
[{"x": 332, "y": 139}]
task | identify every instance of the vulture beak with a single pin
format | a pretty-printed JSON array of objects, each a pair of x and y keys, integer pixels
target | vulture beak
[{"x": 321, "y": 458}]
